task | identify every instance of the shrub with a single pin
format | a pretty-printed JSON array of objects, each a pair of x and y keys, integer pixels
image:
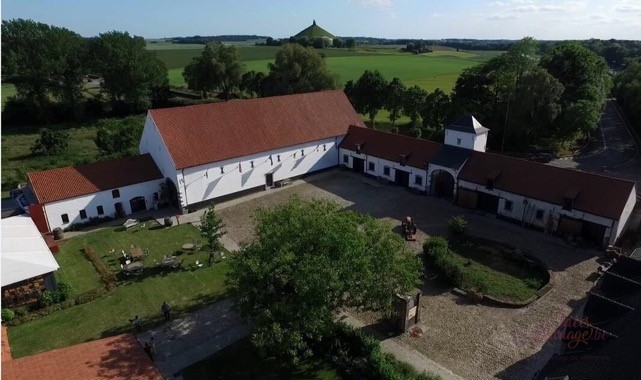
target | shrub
[
  {"x": 48, "y": 298},
  {"x": 533, "y": 282},
  {"x": 63, "y": 291},
  {"x": 105, "y": 273},
  {"x": 7, "y": 315},
  {"x": 435, "y": 242},
  {"x": 51, "y": 142},
  {"x": 457, "y": 226},
  {"x": 20, "y": 311}
]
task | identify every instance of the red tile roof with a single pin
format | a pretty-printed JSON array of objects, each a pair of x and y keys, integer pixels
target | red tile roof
[
  {"x": 118, "y": 357},
  {"x": 200, "y": 134},
  {"x": 73, "y": 181},
  {"x": 598, "y": 195},
  {"x": 391, "y": 146}
]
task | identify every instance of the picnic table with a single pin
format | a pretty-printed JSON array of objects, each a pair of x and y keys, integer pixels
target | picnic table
[
  {"x": 135, "y": 267},
  {"x": 169, "y": 261},
  {"x": 137, "y": 253}
]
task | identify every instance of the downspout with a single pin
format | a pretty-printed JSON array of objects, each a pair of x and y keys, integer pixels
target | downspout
[{"x": 184, "y": 187}]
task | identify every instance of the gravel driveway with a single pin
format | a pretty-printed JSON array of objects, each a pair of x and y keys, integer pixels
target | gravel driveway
[{"x": 473, "y": 341}]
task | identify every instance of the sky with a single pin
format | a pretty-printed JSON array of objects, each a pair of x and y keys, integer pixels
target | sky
[{"x": 426, "y": 19}]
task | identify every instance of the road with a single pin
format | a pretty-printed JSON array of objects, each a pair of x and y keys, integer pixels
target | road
[{"x": 616, "y": 153}]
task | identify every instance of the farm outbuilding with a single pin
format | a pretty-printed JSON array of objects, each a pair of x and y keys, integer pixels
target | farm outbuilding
[
  {"x": 106, "y": 189},
  {"x": 214, "y": 150},
  {"x": 566, "y": 202}
]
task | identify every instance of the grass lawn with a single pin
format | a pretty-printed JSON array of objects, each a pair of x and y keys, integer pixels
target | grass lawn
[
  {"x": 186, "y": 289},
  {"x": 8, "y": 89},
  {"x": 18, "y": 160},
  {"x": 491, "y": 273},
  {"x": 241, "y": 361}
]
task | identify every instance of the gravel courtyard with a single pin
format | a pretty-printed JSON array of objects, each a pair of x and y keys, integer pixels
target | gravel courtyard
[{"x": 473, "y": 341}]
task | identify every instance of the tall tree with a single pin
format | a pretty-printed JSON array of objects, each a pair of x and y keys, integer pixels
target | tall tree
[
  {"x": 252, "y": 82},
  {"x": 201, "y": 74},
  {"x": 38, "y": 76},
  {"x": 368, "y": 94},
  {"x": 298, "y": 69},
  {"x": 628, "y": 90},
  {"x": 394, "y": 99},
  {"x": 118, "y": 137},
  {"x": 311, "y": 260},
  {"x": 414, "y": 98},
  {"x": 229, "y": 68},
  {"x": 129, "y": 71},
  {"x": 435, "y": 110}
]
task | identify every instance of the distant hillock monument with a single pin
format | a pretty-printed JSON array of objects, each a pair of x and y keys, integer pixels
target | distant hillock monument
[{"x": 314, "y": 32}]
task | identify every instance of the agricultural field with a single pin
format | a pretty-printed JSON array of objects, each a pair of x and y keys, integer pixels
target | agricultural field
[{"x": 429, "y": 70}]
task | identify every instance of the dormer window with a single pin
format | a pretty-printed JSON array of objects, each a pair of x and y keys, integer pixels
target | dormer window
[{"x": 569, "y": 197}]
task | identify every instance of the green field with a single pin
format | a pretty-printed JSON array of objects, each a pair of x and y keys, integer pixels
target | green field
[{"x": 427, "y": 71}]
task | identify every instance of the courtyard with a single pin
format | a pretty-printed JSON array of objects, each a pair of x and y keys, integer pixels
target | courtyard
[{"x": 473, "y": 341}]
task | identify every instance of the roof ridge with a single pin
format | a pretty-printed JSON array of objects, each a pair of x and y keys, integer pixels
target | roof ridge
[
  {"x": 396, "y": 135},
  {"x": 87, "y": 164},
  {"x": 249, "y": 100},
  {"x": 557, "y": 167}
]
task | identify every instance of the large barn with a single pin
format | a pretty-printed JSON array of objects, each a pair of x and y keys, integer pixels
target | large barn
[{"x": 213, "y": 150}]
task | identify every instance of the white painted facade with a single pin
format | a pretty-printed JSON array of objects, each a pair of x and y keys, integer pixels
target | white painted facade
[
  {"x": 386, "y": 169},
  {"x": 90, "y": 202},
  {"x": 204, "y": 182},
  {"x": 624, "y": 222},
  {"x": 152, "y": 143},
  {"x": 546, "y": 215},
  {"x": 466, "y": 140}
]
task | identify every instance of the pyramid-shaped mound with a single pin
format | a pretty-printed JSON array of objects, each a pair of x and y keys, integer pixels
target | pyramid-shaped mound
[{"x": 314, "y": 31}]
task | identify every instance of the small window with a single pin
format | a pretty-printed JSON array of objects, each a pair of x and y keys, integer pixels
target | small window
[
  {"x": 508, "y": 205},
  {"x": 345, "y": 159},
  {"x": 386, "y": 170},
  {"x": 371, "y": 166},
  {"x": 115, "y": 193},
  {"x": 458, "y": 141},
  {"x": 539, "y": 215},
  {"x": 83, "y": 214},
  {"x": 65, "y": 218},
  {"x": 418, "y": 180},
  {"x": 101, "y": 211}
]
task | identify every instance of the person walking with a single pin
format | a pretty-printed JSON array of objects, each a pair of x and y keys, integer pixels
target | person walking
[
  {"x": 165, "y": 310},
  {"x": 137, "y": 322}
]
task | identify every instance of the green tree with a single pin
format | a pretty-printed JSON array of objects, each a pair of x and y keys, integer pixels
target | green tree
[
  {"x": 201, "y": 74},
  {"x": 59, "y": 73},
  {"x": 413, "y": 100},
  {"x": 310, "y": 260},
  {"x": 297, "y": 69},
  {"x": 252, "y": 82},
  {"x": 350, "y": 43},
  {"x": 51, "y": 142},
  {"x": 369, "y": 94},
  {"x": 394, "y": 99},
  {"x": 435, "y": 109},
  {"x": 119, "y": 137},
  {"x": 229, "y": 68},
  {"x": 129, "y": 71},
  {"x": 628, "y": 90},
  {"x": 212, "y": 228}
]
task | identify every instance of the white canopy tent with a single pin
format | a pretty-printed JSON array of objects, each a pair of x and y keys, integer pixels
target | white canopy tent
[{"x": 24, "y": 253}]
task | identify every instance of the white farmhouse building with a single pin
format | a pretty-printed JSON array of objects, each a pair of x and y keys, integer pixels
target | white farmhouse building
[
  {"x": 214, "y": 150},
  {"x": 77, "y": 194},
  {"x": 560, "y": 201}
]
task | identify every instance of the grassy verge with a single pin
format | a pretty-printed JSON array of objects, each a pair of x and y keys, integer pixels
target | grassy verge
[
  {"x": 241, "y": 361},
  {"x": 186, "y": 289},
  {"x": 470, "y": 265}
]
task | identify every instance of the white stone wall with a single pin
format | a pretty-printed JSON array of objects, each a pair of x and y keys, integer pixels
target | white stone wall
[
  {"x": 90, "y": 203},
  {"x": 152, "y": 143},
  {"x": 204, "y": 182},
  {"x": 622, "y": 224},
  {"x": 418, "y": 177},
  {"x": 466, "y": 140}
]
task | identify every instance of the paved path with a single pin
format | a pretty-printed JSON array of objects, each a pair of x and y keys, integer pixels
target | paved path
[
  {"x": 404, "y": 353},
  {"x": 616, "y": 154},
  {"x": 185, "y": 341}
]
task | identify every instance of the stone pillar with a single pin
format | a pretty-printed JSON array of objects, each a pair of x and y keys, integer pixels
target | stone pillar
[{"x": 408, "y": 310}]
